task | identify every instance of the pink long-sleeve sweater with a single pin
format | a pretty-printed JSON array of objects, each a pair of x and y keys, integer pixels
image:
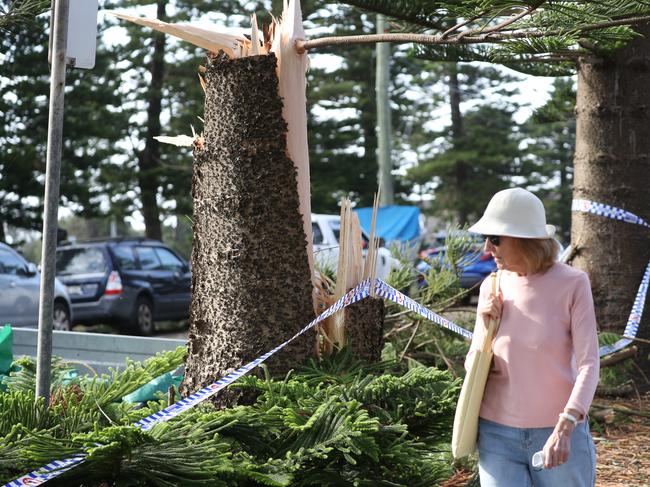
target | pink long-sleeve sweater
[{"x": 545, "y": 351}]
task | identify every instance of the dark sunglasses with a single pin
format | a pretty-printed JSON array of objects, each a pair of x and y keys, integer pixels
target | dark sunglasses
[{"x": 494, "y": 239}]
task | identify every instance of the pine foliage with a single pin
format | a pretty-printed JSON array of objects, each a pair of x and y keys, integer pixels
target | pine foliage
[
  {"x": 332, "y": 423},
  {"x": 541, "y": 37}
]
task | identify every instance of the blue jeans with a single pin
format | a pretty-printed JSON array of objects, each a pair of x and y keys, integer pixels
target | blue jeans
[{"x": 505, "y": 455}]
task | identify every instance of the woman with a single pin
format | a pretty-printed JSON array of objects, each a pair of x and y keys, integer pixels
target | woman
[{"x": 545, "y": 367}]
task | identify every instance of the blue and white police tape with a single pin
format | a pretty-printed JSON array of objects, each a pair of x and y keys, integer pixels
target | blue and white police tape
[
  {"x": 388, "y": 292},
  {"x": 633, "y": 321},
  {"x": 632, "y": 327},
  {"x": 360, "y": 292},
  {"x": 608, "y": 211},
  {"x": 48, "y": 472},
  {"x": 58, "y": 467}
]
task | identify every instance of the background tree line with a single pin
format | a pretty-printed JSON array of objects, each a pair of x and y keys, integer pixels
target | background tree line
[{"x": 144, "y": 85}]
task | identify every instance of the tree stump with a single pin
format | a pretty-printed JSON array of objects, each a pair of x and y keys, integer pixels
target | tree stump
[
  {"x": 364, "y": 325},
  {"x": 251, "y": 283}
]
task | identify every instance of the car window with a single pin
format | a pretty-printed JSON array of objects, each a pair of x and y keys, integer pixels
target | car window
[
  {"x": 318, "y": 235},
  {"x": 336, "y": 228},
  {"x": 125, "y": 257},
  {"x": 89, "y": 260},
  {"x": 148, "y": 259},
  {"x": 169, "y": 261},
  {"x": 10, "y": 264}
]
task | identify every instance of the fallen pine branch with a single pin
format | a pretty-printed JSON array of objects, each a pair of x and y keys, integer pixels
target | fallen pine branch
[
  {"x": 622, "y": 410},
  {"x": 623, "y": 390},
  {"x": 619, "y": 357}
]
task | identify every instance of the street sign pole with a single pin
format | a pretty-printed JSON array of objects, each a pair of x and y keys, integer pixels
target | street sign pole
[{"x": 59, "y": 29}]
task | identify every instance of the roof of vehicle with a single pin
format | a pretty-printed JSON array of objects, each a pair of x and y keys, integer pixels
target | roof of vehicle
[
  {"x": 9, "y": 247},
  {"x": 321, "y": 216},
  {"x": 109, "y": 241}
]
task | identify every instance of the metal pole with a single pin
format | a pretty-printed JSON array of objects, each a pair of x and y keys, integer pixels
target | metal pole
[
  {"x": 59, "y": 26},
  {"x": 386, "y": 193}
]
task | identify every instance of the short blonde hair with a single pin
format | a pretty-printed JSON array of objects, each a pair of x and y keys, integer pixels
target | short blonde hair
[{"x": 539, "y": 254}]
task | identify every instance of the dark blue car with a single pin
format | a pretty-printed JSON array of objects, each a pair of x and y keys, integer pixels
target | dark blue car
[
  {"x": 127, "y": 282},
  {"x": 475, "y": 266}
]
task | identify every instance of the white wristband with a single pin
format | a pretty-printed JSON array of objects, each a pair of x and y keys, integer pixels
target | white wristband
[{"x": 569, "y": 417}]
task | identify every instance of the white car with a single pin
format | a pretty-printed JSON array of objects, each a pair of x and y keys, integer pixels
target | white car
[
  {"x": 20, "y": 289},
  {"x": 326, "y": 230}
]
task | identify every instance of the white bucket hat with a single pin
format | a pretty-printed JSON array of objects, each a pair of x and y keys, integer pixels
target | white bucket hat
[{"x": 514, "y": 213}]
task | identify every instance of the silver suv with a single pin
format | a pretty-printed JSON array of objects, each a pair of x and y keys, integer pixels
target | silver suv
[{"x": 19, "y": 291}]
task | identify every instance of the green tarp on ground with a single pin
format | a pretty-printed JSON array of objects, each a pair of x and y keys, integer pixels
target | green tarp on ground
[
  {"x": 6, "y": 348},
  {"x": 150, "y": 390}
]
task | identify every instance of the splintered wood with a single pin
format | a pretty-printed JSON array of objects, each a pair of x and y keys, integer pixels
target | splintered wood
[
  {"x": 360, "y": 325},
  {"x": 278, "y": 39},
  {"x": 235, "y": 46}
]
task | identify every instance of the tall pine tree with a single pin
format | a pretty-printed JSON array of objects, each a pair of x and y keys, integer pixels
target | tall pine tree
[{"x": 94, "y": 122}]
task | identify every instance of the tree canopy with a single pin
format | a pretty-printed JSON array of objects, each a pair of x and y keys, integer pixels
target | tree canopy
[{"x": 541, "y": 37}]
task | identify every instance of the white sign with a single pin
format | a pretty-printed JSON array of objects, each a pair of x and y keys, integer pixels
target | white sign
[{"x": 82, "y": 33}]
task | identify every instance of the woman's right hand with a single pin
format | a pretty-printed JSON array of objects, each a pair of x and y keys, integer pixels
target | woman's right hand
[{"x": 491, "y": 307}]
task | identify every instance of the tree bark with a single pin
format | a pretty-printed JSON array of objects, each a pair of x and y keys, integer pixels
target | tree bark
[
  {"x": 364, "y": 323},
  {"x": 251, "y": 283},
  {"x": 461, "y": 169},
  {"x": 612, "y": 166},
  {"x": 149, "y": 158}
]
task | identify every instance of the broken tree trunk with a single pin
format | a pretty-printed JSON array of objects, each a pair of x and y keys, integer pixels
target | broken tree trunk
[
  {"x": 250, "y": 272},
  {"x": 364, "y": 322},
  {"x": 360, "y": 325}
]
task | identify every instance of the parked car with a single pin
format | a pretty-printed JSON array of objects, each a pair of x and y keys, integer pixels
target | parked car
[
  {"x": 20, "y": 286},
  {"x": 326, "y": 230},
  {"x": 475, "y": 266},
  {"x": 128, "y": 282}
]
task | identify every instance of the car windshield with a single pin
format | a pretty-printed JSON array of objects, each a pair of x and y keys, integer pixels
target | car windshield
[{"x": 80, "y": 261}]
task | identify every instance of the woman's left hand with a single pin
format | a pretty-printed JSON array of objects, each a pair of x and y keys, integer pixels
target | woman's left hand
[{"x": 558, "y": 446}]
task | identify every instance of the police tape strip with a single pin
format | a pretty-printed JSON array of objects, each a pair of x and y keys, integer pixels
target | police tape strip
[
  {"x": 632, "y": 327},
  {"x": 388, "y": 292},
  {"x": 58, "y": 467},
  {"x": 48, "y": 472},
  {"x": 360, "y": 292},
  {"x": 601, "y": 209}
]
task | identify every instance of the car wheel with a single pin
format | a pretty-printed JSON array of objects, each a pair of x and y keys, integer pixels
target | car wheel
[
  {"x": 61, "y": 317},
  {"x": 143, "y": 322}
]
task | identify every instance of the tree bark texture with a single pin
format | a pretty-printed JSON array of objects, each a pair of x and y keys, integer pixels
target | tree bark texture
[
  {"x": 364, "y": 325},
  {"x": 612, "y": 166},
  {"x": 251, "y": 283},
  {"x": 461, "y": 170}
]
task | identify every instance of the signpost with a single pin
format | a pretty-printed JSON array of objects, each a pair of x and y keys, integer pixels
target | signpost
[{"x": 70, "y": 43}]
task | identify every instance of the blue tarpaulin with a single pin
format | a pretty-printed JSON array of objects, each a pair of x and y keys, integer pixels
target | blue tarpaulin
[{"x": 401, "y": 223}]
